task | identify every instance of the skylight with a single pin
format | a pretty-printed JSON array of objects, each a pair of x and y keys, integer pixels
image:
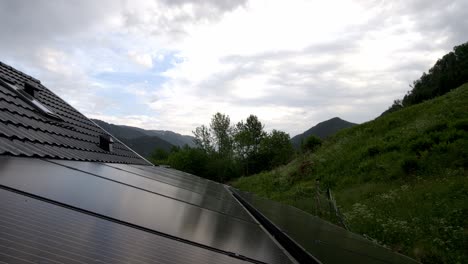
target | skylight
[{"x": 28, "y": 94}]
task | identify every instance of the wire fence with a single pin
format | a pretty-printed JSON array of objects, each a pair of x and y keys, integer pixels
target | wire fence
[{"x": 326, "y": 207}]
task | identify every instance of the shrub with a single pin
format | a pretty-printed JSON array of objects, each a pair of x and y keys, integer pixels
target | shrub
[
  {"x": 437, "y": 127},
  {"x": 421, "y": 144},
  {"x": 311, "y": 143},
  {"x": 410, "y": 165},
  {"x": 373, "y": 151},
  {"x": 461, "y": 125}
]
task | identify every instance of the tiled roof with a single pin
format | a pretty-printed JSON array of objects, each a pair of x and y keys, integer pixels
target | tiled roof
[{"x": 24, "y": 131}]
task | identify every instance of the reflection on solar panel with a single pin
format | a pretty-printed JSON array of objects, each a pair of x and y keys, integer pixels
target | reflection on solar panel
[
  {"x": 130, "y": 202},
  {"x": 158, "y": 187},
  {"x": 36, "y": 231},
  {"x": 325, "y": 241},
  {"x": 180, "y": 180}
]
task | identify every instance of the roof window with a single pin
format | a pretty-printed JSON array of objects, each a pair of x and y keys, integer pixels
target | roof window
[
  {"x": 106, "y": 142},
  {"x": 28, "y": 94}
]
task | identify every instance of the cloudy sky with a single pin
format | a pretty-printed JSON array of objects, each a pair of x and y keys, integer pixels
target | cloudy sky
[{"x": 172, "y": 64}]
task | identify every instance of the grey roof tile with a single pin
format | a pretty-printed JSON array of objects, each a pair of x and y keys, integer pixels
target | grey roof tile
[{"x": 25, "y": 131}]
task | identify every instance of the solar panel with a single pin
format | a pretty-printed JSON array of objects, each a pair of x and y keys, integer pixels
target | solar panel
[
  {"x": 35, "y": 231},
  {"x": 140, "y": 208},
  {"x": 158, "y": 187},
  {"x": 202, "y": 187},
  {"x": 325, "y": 241},
  {"x": 175, "y": 173}
]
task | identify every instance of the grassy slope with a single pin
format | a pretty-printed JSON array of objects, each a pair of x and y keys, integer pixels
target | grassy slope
[{"x": 400, "y": 179}]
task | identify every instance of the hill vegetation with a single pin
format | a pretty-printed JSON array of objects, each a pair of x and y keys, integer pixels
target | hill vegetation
[
  {"x": 400, "y": 179},
  {"x": 322, "y": 130}
]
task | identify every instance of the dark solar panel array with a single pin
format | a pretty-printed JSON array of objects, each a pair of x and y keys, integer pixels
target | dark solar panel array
[
  {"x": 325, "y": 241},
  {"x": 164, "y": 186},
  {"x": 24, "y": 131},
  {"x": 34, "y": 231},
  {"x": 206, "y": 218}
]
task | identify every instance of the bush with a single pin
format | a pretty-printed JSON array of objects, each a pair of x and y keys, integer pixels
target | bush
[
  {"x": 410, "y": 165},
  {"x": 461, "y": 125},
  {"x": 421, "y": 144},
  {"x": 373, "y": 151},
  {"x": 311, "y": 143}
]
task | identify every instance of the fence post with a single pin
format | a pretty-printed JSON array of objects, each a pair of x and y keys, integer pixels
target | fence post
[
  {"x": 317, "y": 198},
  {"x": 334, "y": 207}
]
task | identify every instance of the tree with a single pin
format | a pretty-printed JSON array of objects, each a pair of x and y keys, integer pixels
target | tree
[
  {"x": 203, "y": 139},
  {"x": 222, "y": 133},
  {"x": 159, "y": 156},
  {"x": 191, "y": 160},
  {"x": 311, "y": 143},
  {"x": 276, "y": 149},
  {"x": 248, "y": 137}
]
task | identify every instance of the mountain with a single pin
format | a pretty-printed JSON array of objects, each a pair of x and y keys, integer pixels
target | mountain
[
  {"x": 401, "y": 179},
  {"x": 121, "y": 131},
  {"x": 144, "y": 142},
  {"x": 172, "y": 137},
  {"x": 322, "y": 130},
  {"x": 145, "y": 145},
  {"x": 129, "y": 132}
]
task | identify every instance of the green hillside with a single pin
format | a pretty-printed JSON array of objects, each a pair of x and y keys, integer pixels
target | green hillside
[{"x": 400, "y": 179}]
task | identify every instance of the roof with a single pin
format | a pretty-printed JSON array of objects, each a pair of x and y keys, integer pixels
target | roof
[
  {"x": 24, "y": 131},
  {"x": 65, "y": 200}
]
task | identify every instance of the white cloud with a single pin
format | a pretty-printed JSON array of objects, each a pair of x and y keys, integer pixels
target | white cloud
[
  {"x": 146, "y": 60},
  {"x": 292, "y": 63}
]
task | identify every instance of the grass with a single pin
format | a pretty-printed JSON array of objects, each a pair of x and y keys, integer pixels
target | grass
[{"x": 400, "y": 179}]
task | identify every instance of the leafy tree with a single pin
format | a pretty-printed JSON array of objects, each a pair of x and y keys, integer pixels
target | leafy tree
[
  {"x": 221, "y": 168},
  {"x": 159, "y": 156},
  {"x": 276, "y": 149},
  {"x": 191, "y": 160},
  {"x": 203, "y": 139},
  {"x": 222, "y": 133},
  {"x": 248, "y": 137}
]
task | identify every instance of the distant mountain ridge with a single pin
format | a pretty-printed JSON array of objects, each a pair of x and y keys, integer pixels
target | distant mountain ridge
[
  {"x": 144, "y": 142},
  {"x": 322, "y": 130}
]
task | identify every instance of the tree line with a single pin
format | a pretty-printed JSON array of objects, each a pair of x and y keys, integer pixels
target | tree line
[
  {"x": 224, "y": 151},
  {"x": 448, "y": 73}
]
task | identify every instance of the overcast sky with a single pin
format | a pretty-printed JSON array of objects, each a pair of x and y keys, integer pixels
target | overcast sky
[{"x": 172, "y": 64}]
